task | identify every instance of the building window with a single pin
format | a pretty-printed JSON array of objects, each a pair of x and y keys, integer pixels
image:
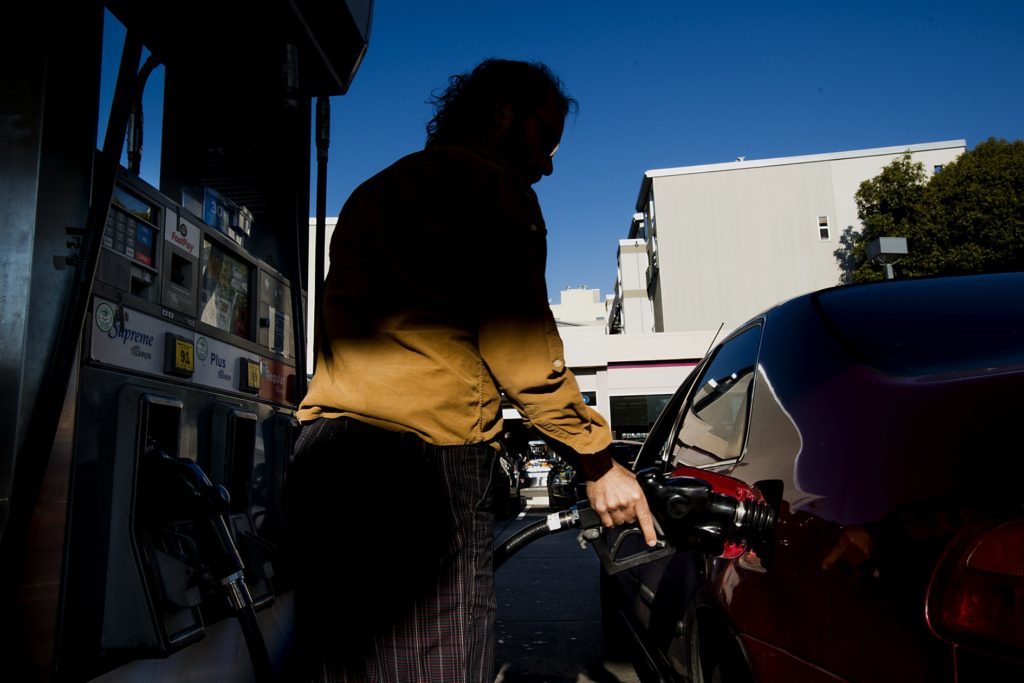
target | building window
[
  {"x": 652, "y": 266},
  {"x": 649, "y": 217},
  {"x": 652, "y": 281},
  {"x": 937, "y": 168},
  {"x": 823, "y": 230}
]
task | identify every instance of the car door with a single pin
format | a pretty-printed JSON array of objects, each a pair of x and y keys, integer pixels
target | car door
[
  {"x": 625, "y": 541},
  {"x": 708, "y": 431},
  {"x": 835, "y": 573}
]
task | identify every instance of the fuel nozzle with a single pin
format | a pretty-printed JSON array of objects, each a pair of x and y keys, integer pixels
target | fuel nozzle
[
  {"x": 717, "y": 514},
  {"x": 209, "y": 503},
  {"x": 694, "y": 510}
]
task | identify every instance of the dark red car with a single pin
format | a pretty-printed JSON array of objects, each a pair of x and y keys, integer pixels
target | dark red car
[{"x": 892, "y": 416}]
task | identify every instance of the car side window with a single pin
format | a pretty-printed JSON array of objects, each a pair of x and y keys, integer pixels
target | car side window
[
  {"x": 714, "y": 420},
  {"x": 654, "y": 450}
]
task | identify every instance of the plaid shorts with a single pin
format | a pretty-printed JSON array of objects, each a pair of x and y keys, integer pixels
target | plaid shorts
[{"x": 392, "y": 548}]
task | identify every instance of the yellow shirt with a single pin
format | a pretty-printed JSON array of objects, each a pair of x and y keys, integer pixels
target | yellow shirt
[{"x": 436, "y": 298}]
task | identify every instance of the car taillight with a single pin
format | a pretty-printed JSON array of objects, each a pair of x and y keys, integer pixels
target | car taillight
[{"x": 978, "y": 593}]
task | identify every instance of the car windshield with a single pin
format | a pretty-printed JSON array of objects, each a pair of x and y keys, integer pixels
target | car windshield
[{"x": 932, "y": 326}]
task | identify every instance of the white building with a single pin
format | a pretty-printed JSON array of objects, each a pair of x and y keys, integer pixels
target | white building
[
  {"x": 581, "y": 306},
  {"x": 631, "y": 376},
  {"x": 628, "y": 378},
  {"x": 730, "y": 240},
  {"x": 631, "y": 310}
]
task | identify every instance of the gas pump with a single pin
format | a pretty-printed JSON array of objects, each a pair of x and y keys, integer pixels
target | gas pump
[
  {"x": 189, "y": 353},
  {"x": 151, "y": 335}
]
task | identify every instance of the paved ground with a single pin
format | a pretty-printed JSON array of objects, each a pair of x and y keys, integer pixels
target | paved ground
[{"x": 549, "y": 615}]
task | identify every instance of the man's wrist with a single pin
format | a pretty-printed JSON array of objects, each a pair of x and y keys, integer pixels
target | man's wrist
[{"x": 593, "y": 466}]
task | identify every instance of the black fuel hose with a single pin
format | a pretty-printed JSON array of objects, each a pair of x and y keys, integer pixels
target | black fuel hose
[
  {"x": 554, "y": 522},
  {"x": 262, "y": 670}
]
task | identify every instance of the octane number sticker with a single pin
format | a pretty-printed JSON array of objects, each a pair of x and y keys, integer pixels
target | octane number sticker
[{"x": 183, "y": 358}]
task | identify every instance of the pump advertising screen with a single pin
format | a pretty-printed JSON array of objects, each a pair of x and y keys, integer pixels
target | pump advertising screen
[{"x": 225, "y": 300}]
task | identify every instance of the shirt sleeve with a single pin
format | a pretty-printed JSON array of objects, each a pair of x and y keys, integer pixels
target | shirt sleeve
[{"x": 518, "y": 338}]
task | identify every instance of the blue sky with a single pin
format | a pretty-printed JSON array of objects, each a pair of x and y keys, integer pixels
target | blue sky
[{"x": 664, "y": 84}]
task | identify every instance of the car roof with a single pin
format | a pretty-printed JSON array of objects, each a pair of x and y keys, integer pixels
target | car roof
[{"x": 927, "y": 326}]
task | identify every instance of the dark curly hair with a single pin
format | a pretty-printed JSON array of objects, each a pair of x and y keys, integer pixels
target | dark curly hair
[{"x": 465, "y": 109}]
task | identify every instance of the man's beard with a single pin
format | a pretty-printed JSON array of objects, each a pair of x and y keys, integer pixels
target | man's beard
[{"x": 514, "y": 150}]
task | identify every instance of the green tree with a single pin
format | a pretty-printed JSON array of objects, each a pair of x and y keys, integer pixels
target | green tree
[
  {"x": 888, "y": 205},
  {"x": 975, "y": 210},
  {"x": 968, "y": 218}
]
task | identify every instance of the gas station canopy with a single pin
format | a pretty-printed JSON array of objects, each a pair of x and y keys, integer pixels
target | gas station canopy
[{"x": 331, "y": 37}]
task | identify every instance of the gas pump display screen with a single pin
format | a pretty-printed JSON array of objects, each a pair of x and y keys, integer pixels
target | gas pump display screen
[
  {"x": 129, "y": 230},
  {"x": 134, "y": 205},
  {"x": 225, "y": 302}
]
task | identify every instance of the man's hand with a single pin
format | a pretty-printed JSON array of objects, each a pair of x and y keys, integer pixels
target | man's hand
[{"x": 617, "y": 498}]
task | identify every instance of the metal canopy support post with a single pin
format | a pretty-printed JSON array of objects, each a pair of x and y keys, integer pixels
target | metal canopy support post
[
  {"x": 323, "y": 142},
  {"x": 295, "y": 114},
  {"x": 33, "y": 455},
  {"x": 135, "y": 117}
]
